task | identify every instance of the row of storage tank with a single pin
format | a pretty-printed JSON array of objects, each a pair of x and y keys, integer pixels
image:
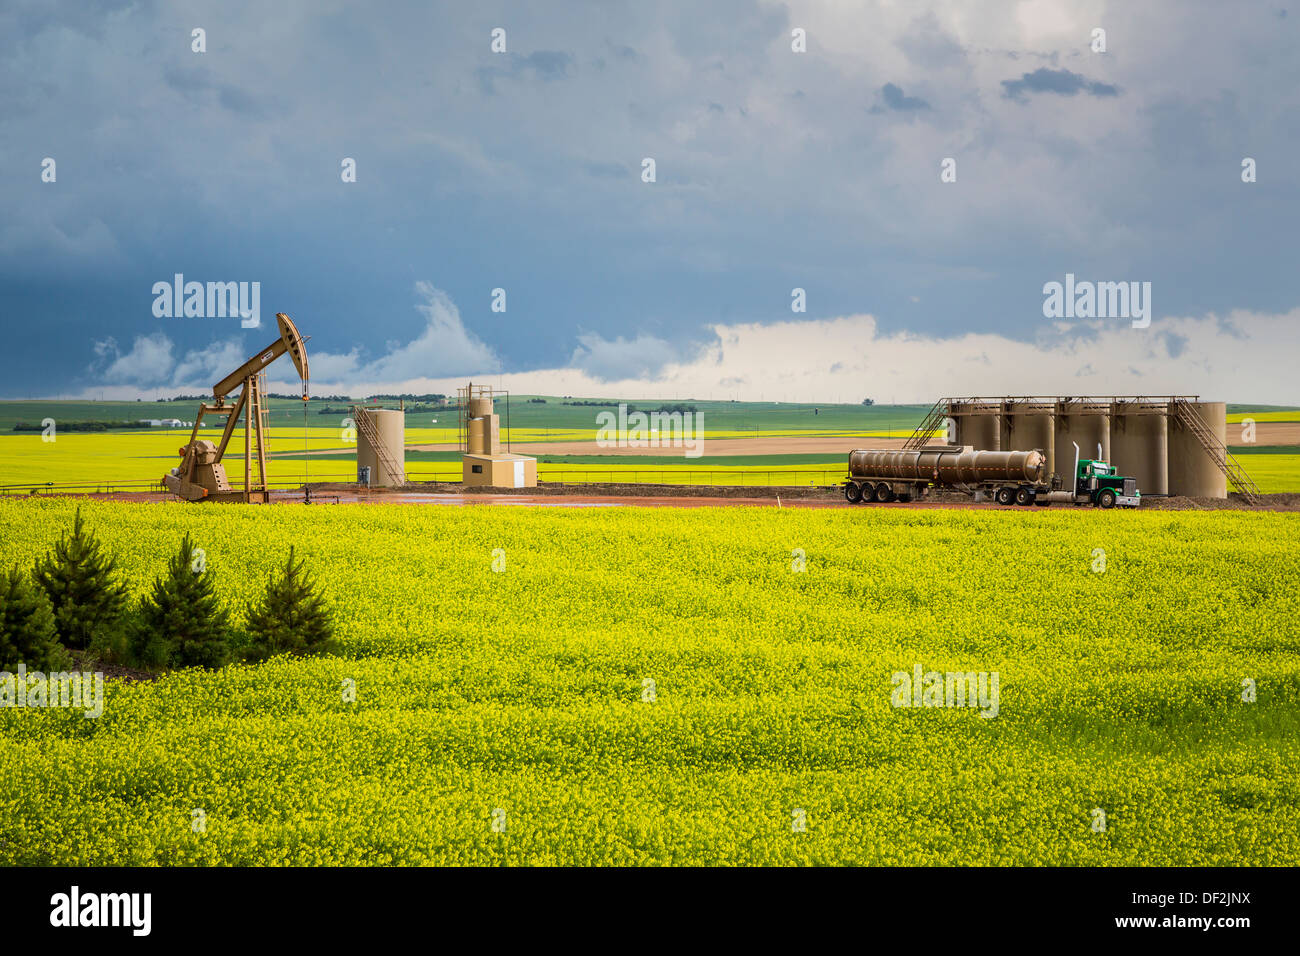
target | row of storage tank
[{"x": 1143, "y": 439}]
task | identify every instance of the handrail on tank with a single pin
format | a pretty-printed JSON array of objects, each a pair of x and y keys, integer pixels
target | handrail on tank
[
  {"x": 1060, "y": 404},
  {"x": 1068, "y": 398}
]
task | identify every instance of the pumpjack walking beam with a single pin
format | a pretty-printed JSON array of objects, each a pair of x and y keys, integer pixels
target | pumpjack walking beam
[{"x": 200, "y": 476}]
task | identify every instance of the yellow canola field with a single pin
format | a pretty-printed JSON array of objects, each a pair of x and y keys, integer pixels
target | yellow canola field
[
  {"x": 93, "y": 457},
  {"x": 704, "y": 686},
  {"x": 1284, "y": 416}
]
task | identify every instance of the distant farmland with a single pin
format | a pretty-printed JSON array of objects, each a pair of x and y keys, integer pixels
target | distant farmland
[{"x": 320, "y": 453}]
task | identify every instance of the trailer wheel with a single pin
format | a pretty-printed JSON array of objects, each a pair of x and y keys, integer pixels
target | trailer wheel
[
  {"x": 853, "y": 493},
  {"x": 1107, "y": 498},
  {"x": 1003, "y": 495},
  {"x": 884, "y": 492},
  {"x": 1024, "y": 496}
]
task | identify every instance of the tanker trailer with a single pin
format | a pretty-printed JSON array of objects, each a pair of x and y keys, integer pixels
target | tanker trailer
[
  {"x": 878, "y": 475},
  {"x": 1006, "y": 476}
]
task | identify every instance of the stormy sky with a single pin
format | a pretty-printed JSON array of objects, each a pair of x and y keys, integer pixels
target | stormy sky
[{"x": 775, "y": 169}]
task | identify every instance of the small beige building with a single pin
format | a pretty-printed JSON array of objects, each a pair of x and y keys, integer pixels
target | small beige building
[{"x": 500, "y": 471}]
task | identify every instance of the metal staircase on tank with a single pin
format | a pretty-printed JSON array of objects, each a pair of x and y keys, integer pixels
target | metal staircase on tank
[
  {"x": 1186, "y": 416},
  {"x": 367, "y": 428},
  {"x": 929, "y": 427}
]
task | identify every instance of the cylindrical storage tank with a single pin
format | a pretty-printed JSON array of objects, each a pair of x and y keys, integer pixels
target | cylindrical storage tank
[
  {"x": 389, "y": 425},
  {"x": 983, "y": 431},
  {"x": 484, "y": 436},
  {"x": 480, "y": 407},
  {"x": 1086, "y": 425},
  {"x": 1192, "y": 472},
  {"x": 477, "y": 436},
  {"x": 1139, "y": 445},
  {"x": 1034, "y": 431},
  {"x": 960, "y": 428}
]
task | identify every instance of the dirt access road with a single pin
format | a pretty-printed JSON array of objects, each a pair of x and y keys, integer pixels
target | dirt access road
[
  {"x": 719, "y": 447},
  {"x": 746, "y": 497},
  {"x": 1266, "y": 433}
]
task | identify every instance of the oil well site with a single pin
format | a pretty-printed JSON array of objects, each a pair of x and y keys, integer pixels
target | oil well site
[{"x": 483, "y": 445}]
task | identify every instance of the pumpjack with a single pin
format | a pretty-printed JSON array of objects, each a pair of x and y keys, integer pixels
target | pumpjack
[{"x": 200, "y": 476}]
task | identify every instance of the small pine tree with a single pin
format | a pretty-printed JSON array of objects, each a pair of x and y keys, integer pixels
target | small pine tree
[
  {"x": 89, "y": 604},
  {"x": 182, "y": 623},
  {"x": 292, "y": 617},
  {"x": 27, "y": 634}
]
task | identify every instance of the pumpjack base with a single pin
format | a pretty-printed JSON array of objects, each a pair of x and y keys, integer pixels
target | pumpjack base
[
  {"x": 254, "y": 497},
  {"x": 192, "y": 492}
]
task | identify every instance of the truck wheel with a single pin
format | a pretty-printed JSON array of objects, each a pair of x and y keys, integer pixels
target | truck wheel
[
  {"x": 1024, "y": 496},
  {"x": 1107, "y": 498},
  {"x": 853, "y": 493},
  {"x": 884, "y": 492},
  {"x": 1003, "y": 495}
]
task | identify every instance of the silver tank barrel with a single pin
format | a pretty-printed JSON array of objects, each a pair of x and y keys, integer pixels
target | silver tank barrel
[{"x": 949, "y": 466}]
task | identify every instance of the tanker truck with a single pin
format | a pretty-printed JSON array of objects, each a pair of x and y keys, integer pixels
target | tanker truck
[{"x": 1018, "y": 477}]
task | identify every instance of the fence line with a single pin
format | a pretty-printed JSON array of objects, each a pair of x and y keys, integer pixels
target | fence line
[
  {"x": 758, "y": 478},
  {"x": 140, "y": 484},
  {"x": 755, "y": 478}
]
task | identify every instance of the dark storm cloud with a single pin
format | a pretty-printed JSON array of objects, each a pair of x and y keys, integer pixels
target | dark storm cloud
[
  {"x": 522, "y": 170},
  {"x": 1061, "y": 82},
  {"x": 897, "y": 101},
  {"x": 540, "y": 64}
]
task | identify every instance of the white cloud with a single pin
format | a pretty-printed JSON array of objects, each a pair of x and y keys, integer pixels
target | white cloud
[
  {"x": 150, "y": 360},
  {"x": 444, "y": 347},
  {"x": 202, "y": 368},
  {"x": 327, "y": 366},
  {"x": 1242, "y": 357},
  {"x": 151, "y": 365},
  {"x": 605, "y": 360}
]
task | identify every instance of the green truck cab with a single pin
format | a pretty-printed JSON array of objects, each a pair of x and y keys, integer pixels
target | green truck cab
[{"x": 1098, "y": 483}]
